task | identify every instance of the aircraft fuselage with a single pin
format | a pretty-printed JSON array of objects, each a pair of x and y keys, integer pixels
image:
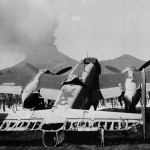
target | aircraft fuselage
[
  {"x": 28, "y": 95},
  {"x": 77, "y": 88},
  {"x": 132, "y": 93}
]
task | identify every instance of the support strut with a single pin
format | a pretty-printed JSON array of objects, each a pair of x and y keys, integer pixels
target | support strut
[{"x": 53, "y": 138}]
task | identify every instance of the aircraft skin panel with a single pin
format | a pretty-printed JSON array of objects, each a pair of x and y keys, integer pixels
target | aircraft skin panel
[
  {"x": 147, "y": 86},
  {"x": 67, "y": 96},
  {"x": 75, "y": 94},
  {"x": 49, "y": 93},
  {"x": 60, "y": 115},
  {"x": 23, "y": 114},
  {"x": 69, "y": 120},
  {"x": 111, "y": 92},
  {"x": 111, "y": 80},
  {"x": 89, "y": 75},
  {"x": 75, "y": 113},
  {"x": 11, "y": 89},
  {"x": 78, "y": 70},
  {"x": 52, "y": 82},
  {"x": 147, "y": 76}
]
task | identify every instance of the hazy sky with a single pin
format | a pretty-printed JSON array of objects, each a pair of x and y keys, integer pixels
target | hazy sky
[{"x": 104, "y": 28}]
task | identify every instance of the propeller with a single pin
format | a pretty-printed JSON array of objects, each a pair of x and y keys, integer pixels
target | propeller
[
  {"x": 112, "y": 69},
  {"x": 31, "y": 67},
  {"x": 144, "y": 65},
  {"x": 63, "y": 70},
  {"x": 34, "y": 69}
]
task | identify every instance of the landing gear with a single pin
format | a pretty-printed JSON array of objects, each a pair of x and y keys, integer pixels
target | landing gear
[
  {"x": 101, "y": 131},
  {"x": 53, "y": 139},
  {"x": 130, "y": 109}
]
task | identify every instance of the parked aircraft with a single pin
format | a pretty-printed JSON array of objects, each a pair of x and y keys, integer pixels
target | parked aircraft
[
  {"x": 94, "y": 86},
  {"x": 130, "y": 89},
  {"x": 83, "y": 87},
  {"x": 31, "y": 91}
]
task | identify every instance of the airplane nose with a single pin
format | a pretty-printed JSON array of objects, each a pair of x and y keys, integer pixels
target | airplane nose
[
  {"x": 25, "y": 98},
  {"x": 33, "y": 101},
  {"x": 25, "y": 95}
]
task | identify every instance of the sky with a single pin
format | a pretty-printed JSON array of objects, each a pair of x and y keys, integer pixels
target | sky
[{"x": 104, "y": 29}]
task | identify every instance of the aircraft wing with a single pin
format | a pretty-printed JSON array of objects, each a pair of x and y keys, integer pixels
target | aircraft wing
[
  {"x": 49, "y": 93},
  {"x": 51, "y": 82},
  {"x": 13, "y": 84},
  {"x": 11, "y": 89},
  {"x": 111, "y": 92},
  {"x": 86, "y": 120},
  {"x": 113, "y": 80},
  {"x": 109, "y": 83},
  {"x": 14, "y": 80}
]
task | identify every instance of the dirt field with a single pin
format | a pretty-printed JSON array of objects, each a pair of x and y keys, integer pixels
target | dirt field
[{"x": 75, "y": 141}]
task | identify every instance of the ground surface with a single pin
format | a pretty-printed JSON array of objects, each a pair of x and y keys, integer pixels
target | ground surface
[{"x": 74, "y": 141}]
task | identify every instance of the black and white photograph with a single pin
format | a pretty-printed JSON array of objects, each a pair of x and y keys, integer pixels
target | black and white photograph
[{"x": 74, "y": 74}]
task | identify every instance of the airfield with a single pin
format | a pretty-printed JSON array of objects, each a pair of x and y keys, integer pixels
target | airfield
[{"x": 113, "y": 140}]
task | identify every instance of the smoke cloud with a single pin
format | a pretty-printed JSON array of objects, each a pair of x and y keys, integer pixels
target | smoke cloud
[{"x": 27, "y": 26}]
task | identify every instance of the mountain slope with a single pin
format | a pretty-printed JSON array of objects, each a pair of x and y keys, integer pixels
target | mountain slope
[
  {"x": 54, "y": 59},
  {"x": 48, "y": 59},
  {"x": 121, "y": 63}
]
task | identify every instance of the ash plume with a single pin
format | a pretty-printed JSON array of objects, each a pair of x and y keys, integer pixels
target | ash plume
[{"x": 27, "y": 26}]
